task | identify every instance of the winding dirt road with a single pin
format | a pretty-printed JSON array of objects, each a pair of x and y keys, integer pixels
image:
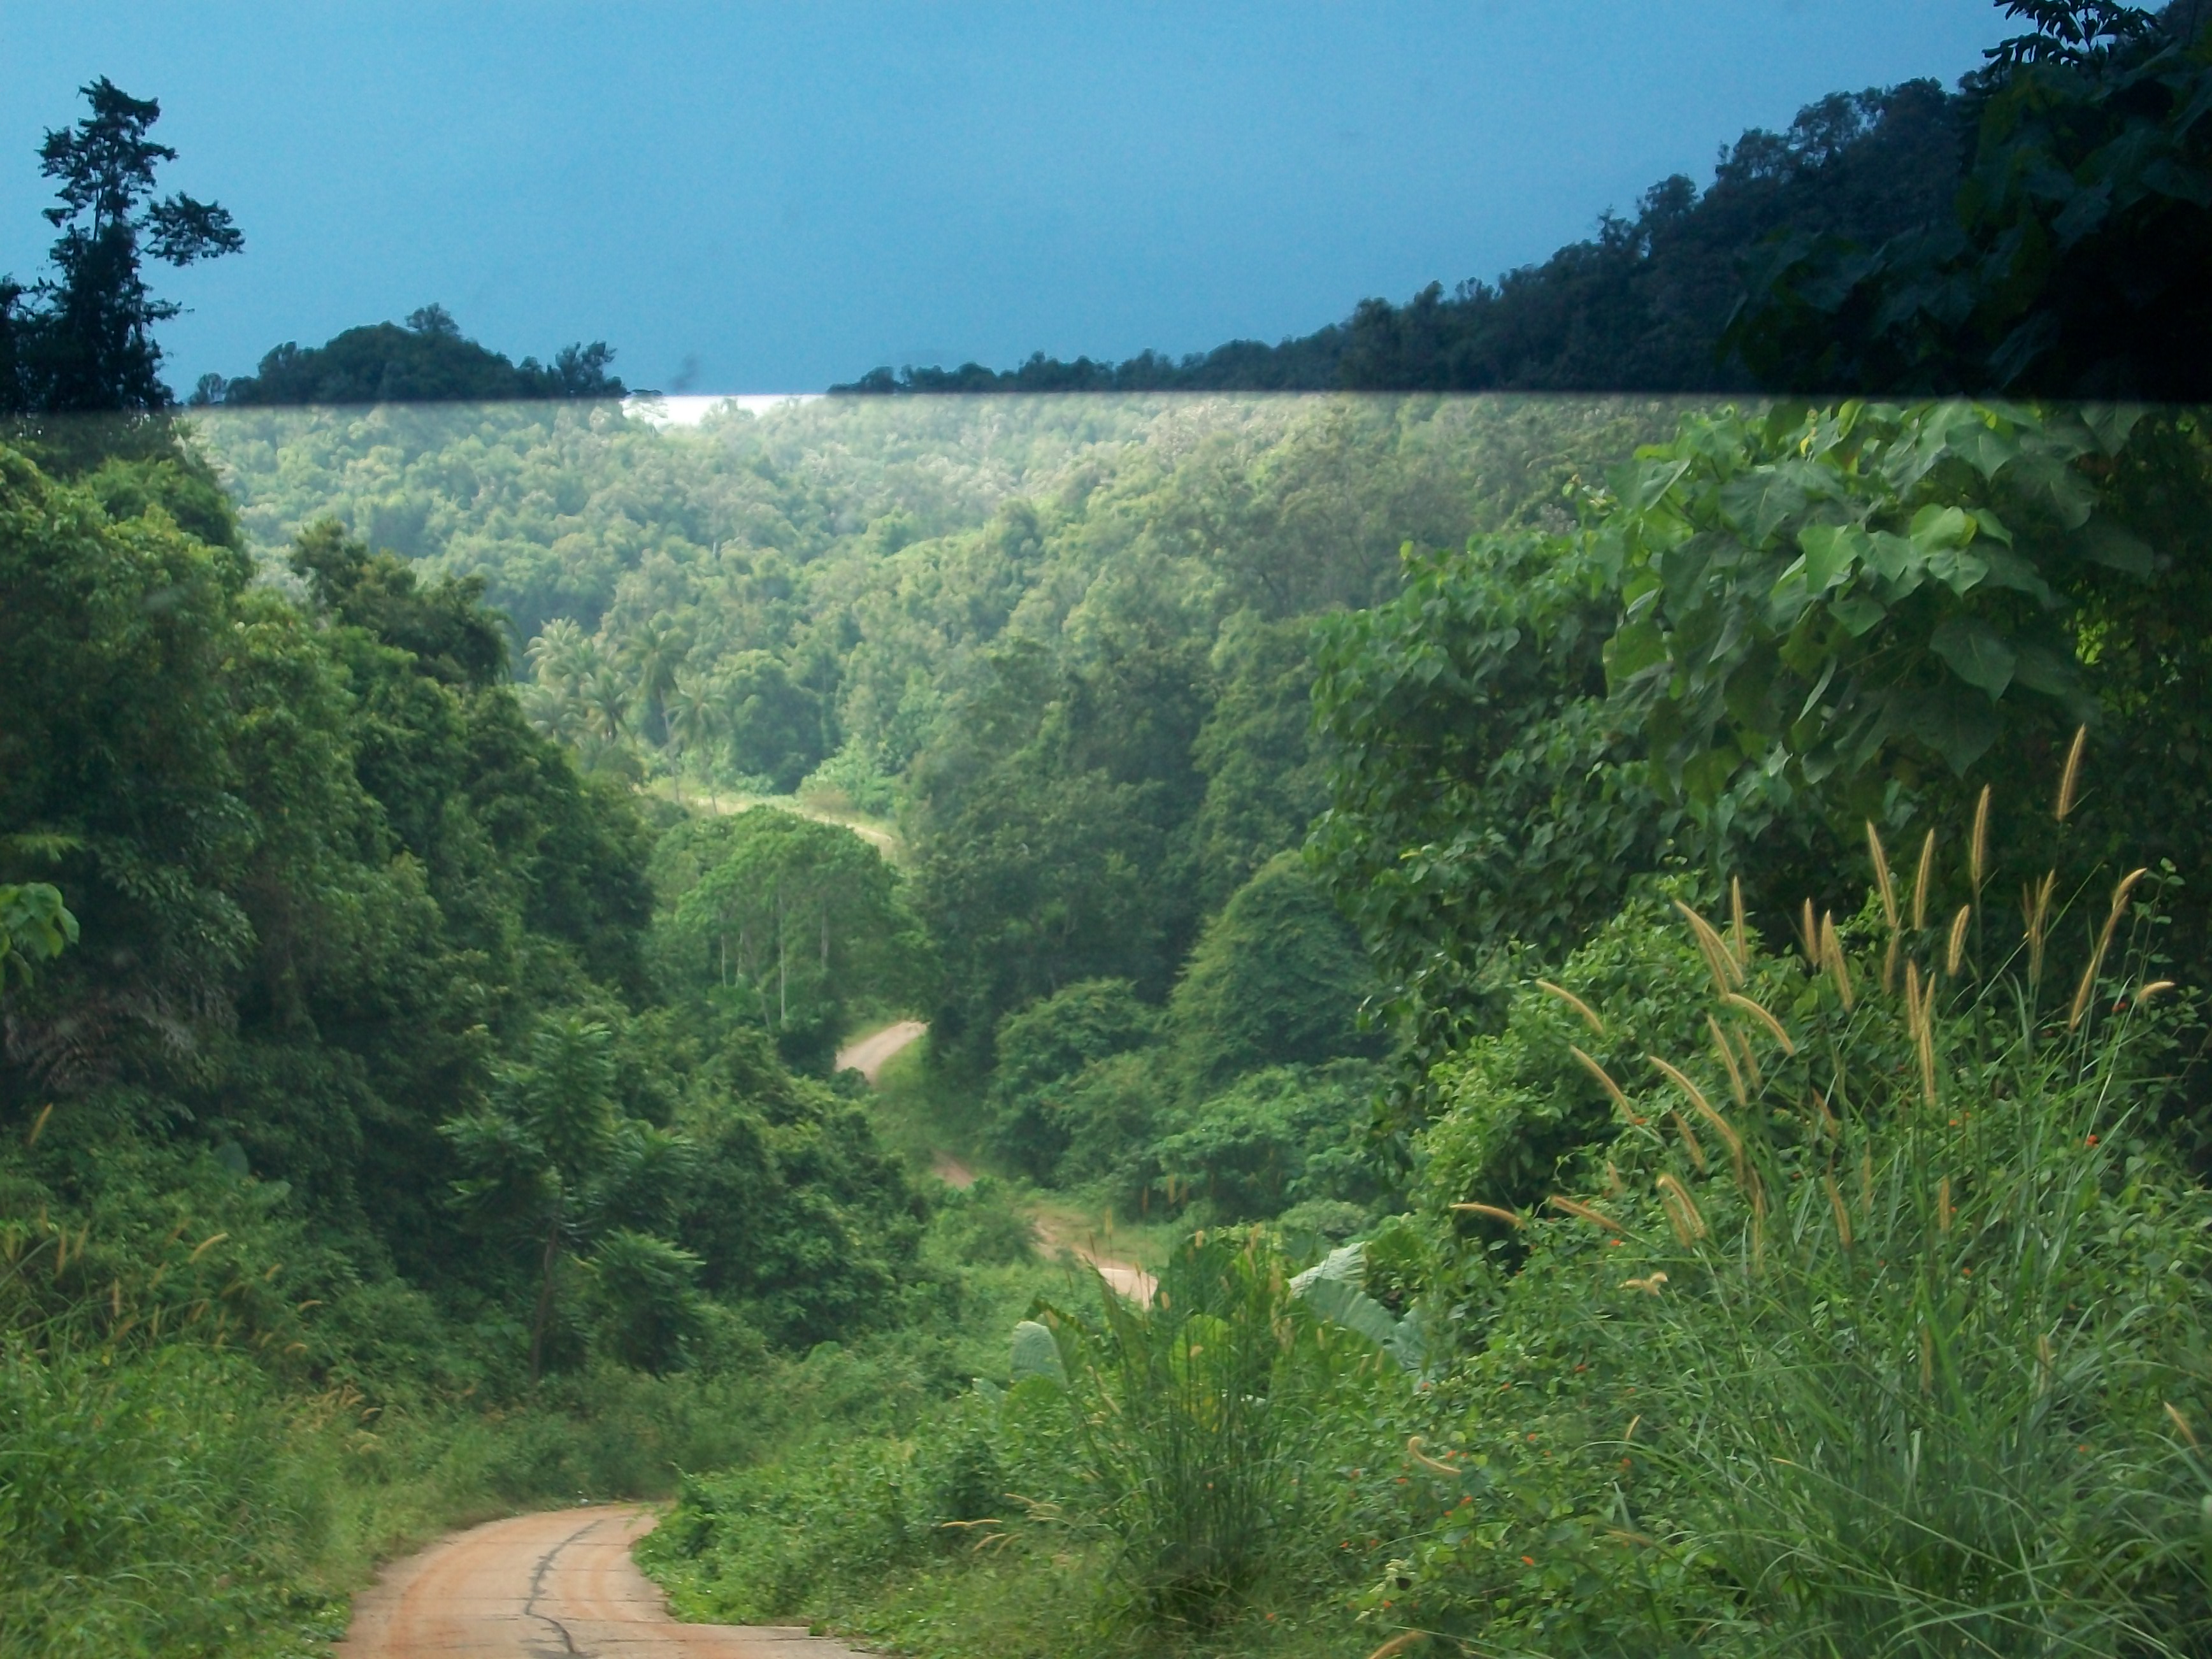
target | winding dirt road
[
  {"x": 559, "y": 1585},
  {"x": 867, "y": 1054}
]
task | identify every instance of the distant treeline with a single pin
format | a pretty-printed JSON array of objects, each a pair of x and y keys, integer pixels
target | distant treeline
[{"x": 1641, "y": 305}]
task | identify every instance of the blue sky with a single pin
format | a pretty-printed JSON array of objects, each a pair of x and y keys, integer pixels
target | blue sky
[{"x": 768, "y": 197}]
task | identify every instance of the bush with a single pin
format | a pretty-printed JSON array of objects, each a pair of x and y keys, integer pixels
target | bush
[
  {"x": 1040, "y": 1048},
  {"x": 1874, "y": 1329},
  {"x": 1274, "y": 1139},
  {"x": 1195, "y": 1419},
  {"x": 1278, "y": 979}
]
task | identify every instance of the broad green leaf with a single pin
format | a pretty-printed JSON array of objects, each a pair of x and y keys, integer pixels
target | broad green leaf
[
  {"x": 1036, "y": 1353},
  {"x": 1638, "y": 484},
  {"x": 1833, "y": 552},
  {"x": 2041, "y": 669},
  {"x": 1975, "y": 653},
  {"x": 1935, "y": 527},
  {"x": 1636, "y": 647},
  {"x": 1857, "y": 612},
  {"x": 2102, "y": 542},
  {"x": 1957, "y": 725}
]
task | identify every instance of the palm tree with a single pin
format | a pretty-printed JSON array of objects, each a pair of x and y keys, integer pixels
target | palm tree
[
  {"x": 604, "y": 702},
  {"x": 558, "y": 656},
  {"x": 696, "y": 719},
  {"x": 651, "y": 656}
]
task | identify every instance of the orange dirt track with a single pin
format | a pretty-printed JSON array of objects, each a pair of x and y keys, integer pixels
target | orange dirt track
[{"x": 559, "y": 1585}]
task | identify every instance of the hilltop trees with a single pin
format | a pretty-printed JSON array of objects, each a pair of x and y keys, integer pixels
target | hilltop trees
[
  {"x": 425, "y": 360},
  {"x": 81, "y": 340}
]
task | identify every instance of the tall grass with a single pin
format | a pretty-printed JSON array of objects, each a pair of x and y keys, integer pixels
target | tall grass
[
  {"x": 1909, "y": 1336},
  {"x": 1199, "y": 1419}
]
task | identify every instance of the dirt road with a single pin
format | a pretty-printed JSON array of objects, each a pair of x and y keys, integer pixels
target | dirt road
[
  {"x": 867, "y": 1055},
  {"x": 1124, "y": 1279},
  {"x": 559, "y": 1585}
]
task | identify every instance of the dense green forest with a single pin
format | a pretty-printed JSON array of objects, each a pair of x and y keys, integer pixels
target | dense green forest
[{"x": 1636, "y": 969}]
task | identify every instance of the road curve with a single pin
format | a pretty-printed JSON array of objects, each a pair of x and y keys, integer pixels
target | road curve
[
  {"x": 559, "y": 1585},
  {"x": 867, "y": 1054}
]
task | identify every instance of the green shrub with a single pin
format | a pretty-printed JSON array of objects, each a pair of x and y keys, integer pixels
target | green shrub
[
  {"x": 1883, "y": 1339},
  {"x": 1040, "y": 1048},
  {"x": 1196, "y": 1417},
  {"x": 1278, "y": 979},
  {"x": 1274, "y": 1138}
]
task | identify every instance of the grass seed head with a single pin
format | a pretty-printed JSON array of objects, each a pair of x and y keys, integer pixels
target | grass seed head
[
  {"x": 1737, "y": 1000},
  {"x": 1883, "y": 884},
  {"x": 1920, "y": 879},
  {"x": 1605, "y": 1081},
  {"x": 1588, "y": 1014},
  {"x": 1954, "y": 948},
  {"x": 1840, "y": 1209},
  {"x": 1977, "y": 852},
  {"x": 1582, "y": 1212},
  {"x": 2070, "y": 780},
  {"x": 1682, "y": 1212}
]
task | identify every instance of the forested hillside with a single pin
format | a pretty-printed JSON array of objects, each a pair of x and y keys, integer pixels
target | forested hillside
[{"x": 1063, "y": 641}]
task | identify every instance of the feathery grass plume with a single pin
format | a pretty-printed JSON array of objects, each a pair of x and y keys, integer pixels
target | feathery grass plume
[
  {"x": 1808, "y": 939},
  {"x": 1705, "y": 1108},
  {"x": 1757, "y": 1188},
  {"x": 2182, "y": 1424},
  {"x": 2070, "y": 780},
  {"x": 1649, "y": 1285},
  {"x": 1751, "y": 1068},
  {"x": 1691, "y": 1143},
  {"x": 2087, "y": 989},
  {"x": 1888, "y": 889},
  {"x": 1943, "y": 1210},
  {"x": 1682, "y": 1212},
  {"x": 1725, "y": 973},
  {"x": 1588, "y": 1013},
  {"x": 1414, "y": 1445},
  {"x": 1883, "y": 884},
  {"x": 1722, "y": 1047},
  {"x": 1978, "y": 850},
  {"x": 1739, "y": 925},
  {"x": 1605, "y": 1081},
  {"x": 1495, "y": 1211},
  {"x": 1832, "y": 955},
  {"x": 1569, "y": 1206},
  {"x": 2035, "y": 909},
  {"x": 2156, "y": 987},
  {"x": 1737, "y": 1000},
  {"x": 1919, "y": 1020},
  {"x": 1398, "y": 1643},
  {"x": 1920, "y": 879},
  {"x": 38, "y": 1128},
  {"x": 206, "y": 1244},
  {"x": 1954, "y": 948},
  {"x": 1840, "y": 1209},
  {"x": 1614, "y": 1186}
]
